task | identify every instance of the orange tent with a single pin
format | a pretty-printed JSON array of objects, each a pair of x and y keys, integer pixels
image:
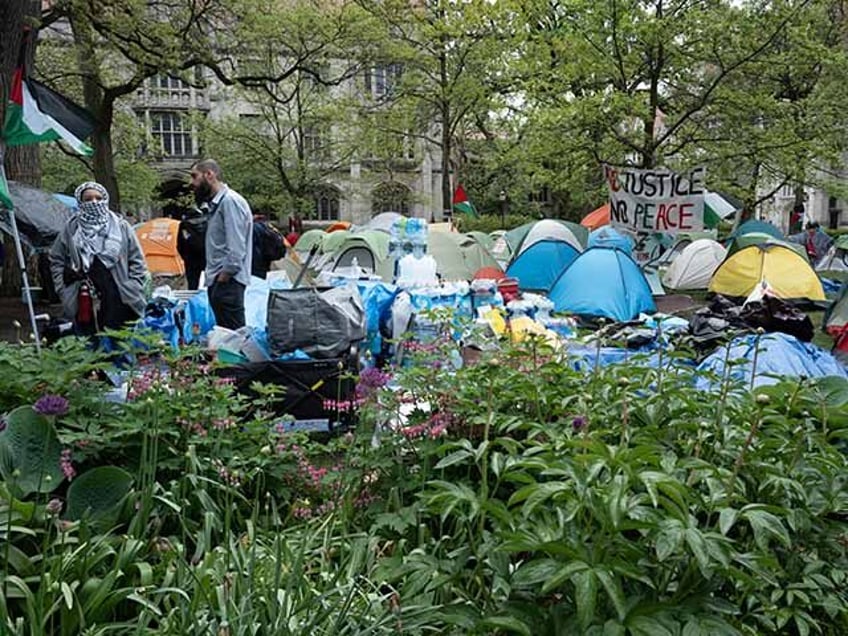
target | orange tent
[
  {"x": 158, "y": 238},
  {"x": 338, "y": 225},
  {"x": 597, "y": 218}
]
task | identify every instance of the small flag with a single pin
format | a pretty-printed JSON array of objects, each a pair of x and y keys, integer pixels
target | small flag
[
  {"x": 36, "y": 114},
  {"x": 461, "y": 202}
]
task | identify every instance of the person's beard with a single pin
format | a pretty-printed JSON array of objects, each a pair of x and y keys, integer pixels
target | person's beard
[{"x": 203, "y": 192}]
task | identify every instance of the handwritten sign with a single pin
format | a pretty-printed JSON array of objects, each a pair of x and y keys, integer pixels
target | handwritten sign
[{"x": 658, "y": 200}]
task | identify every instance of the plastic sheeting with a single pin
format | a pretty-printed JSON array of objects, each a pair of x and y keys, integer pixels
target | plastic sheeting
[
  {"x": 377, "y": 299},
  {"x": 40, "y": 217},
  {"x": 778, "y": 354}
]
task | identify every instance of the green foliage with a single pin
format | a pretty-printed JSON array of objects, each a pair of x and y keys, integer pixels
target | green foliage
[
  {"x": 522, "y": 494},
  {"x": 97, "y": 493},
  {"x": 29, "y": 453}
]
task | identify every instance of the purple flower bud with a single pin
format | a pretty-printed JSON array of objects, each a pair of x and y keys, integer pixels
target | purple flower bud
[
  {"x": 578, "y": 423},
  {"x": 51, "y": 405}
]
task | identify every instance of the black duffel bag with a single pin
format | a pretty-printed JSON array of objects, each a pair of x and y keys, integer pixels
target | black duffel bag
[{"x": 322, "y": 324}]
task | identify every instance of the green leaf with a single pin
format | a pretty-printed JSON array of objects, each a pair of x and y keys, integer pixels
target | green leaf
[
  {"x": 535, "y": 572},
  {"x": 612, "y": 586},
  {"x": 98, "y": 492},
  {"x": 31, "y": 450},
  {"x": 669, "y": 540},
  {"x": 455, "y": 457},
  {"x": 696, "y": 543},
  {"x": 536, "y": 494},
  {"x": 507, "y": 623},
  {"x": 586, "y": 596},
  {"x": 766, "y": 525},
  {"x": 726, "y": 519},
  {"x": 68, "y": 595},
  {"x": 564, "y": 574}
]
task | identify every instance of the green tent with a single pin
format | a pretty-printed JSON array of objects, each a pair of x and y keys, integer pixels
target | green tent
[
  {"x": 458, "y": 256},
  {"x": 370, "y": 248},
  {"x": 486, "y": 240},
  {"x": 308, "y": 239},
  {"x": 515, "y": 237},
  {"x": 760, "y": 238}
]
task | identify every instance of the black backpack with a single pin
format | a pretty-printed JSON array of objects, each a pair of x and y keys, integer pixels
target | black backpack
[
  {"x": 271, "y": 243},
  {"x": 192, "y": 237}
]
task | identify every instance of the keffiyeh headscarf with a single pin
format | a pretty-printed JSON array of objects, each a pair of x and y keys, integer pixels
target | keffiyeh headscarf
[{"x": 98, "y": 232}]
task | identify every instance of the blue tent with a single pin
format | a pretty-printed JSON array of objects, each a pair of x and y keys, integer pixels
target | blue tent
[
  {"x": 608, "y": 236},
  {"x": 778, "y": 354},
  {"x": 538, "y": 267},
  {"x": 70, "y": 201},
  {"x": 755, "y": 226},
  {"x": 605, "y": 282}
]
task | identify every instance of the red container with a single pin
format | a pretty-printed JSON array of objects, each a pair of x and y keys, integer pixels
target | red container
[{"x": 508, "y": 287}]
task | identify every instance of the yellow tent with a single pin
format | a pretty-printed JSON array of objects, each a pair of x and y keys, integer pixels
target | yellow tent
[
  {"x": 784, "y": 269},
  {"x": 158, "y": 238}
]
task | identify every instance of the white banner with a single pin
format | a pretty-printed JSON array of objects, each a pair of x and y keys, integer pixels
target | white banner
[{"x": 658, "y": 200}]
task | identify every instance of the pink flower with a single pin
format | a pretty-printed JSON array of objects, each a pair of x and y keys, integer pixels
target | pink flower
[{"x": 66, "y": 465}]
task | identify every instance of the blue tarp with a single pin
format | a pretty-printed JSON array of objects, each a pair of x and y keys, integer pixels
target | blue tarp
[
  {"x": 538, "y": 267},
  {"x": 779, "y": 354},
  {"x": 377, "y": 299},
  {"x": 608, "y": 236},
  {"x": 603, "y": 282}
]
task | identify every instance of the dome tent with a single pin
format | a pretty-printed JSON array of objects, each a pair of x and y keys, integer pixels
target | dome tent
[
  {"x": 836, "y": 259},
  {"x": 538, "y": 267},
  {"x": 608, "y": 236},
  {"x": 695, "y": 265},
  {"x": 603, "y": 282},
  {"x": 548, "y": 229},
  {"x": 787, "y": 272},
  {"x": 458, "y": 256},
  {"x": 158, "y": 240}
]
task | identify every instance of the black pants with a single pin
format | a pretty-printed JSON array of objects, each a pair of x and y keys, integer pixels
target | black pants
[
  {"x": 227, "y": 302},
  {"x": 192, "y": 273}
]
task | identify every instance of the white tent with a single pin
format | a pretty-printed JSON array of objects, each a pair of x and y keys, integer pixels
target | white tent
[
  {"x": 836, "y": 259},
  {"x": 695, "y": 265}
]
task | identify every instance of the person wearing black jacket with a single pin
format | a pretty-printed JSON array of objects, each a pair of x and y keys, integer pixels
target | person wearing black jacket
[{"x": 191, "y": 244}]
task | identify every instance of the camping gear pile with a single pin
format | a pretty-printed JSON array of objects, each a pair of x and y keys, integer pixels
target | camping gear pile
[{"x": 346, "y": 298}]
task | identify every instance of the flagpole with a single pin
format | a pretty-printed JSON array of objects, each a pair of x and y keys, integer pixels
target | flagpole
[{"x": 20, "y": 251}]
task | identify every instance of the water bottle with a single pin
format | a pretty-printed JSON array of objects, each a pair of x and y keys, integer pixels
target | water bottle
[{"x": 85, "y": 305}]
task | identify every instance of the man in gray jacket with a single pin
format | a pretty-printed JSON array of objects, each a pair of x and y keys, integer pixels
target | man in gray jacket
[{"x": 229, "y": 243}]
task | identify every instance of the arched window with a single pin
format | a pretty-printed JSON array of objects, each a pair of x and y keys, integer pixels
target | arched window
[
  {"x": 327, "y": 203},
  {"x": 391, "y": 197}
]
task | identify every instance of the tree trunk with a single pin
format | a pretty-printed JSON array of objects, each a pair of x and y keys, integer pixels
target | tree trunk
[
  {"x": 101, "y": 105},
  {"x": 21, "y": 163}
]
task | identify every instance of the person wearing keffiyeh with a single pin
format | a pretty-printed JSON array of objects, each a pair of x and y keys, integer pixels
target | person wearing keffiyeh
[{"x": 98, "y": 247}]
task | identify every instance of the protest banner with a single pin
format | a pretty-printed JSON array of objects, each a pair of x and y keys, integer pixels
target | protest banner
[{"x": 656, "y": 200}]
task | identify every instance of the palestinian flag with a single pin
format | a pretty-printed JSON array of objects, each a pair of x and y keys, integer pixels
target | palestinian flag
[
  {"x": 461, "y": 202},
  {"x": 36, "y": 114}
]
